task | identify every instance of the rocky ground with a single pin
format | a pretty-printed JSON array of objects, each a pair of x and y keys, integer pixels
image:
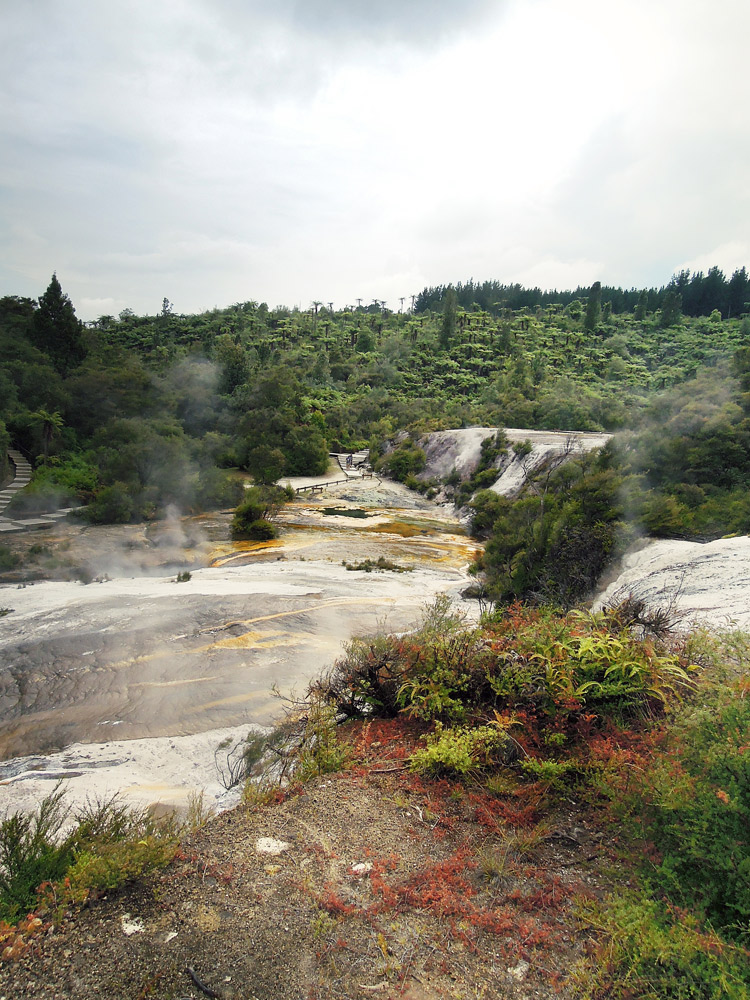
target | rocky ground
[{"x": 368, "y": 883}]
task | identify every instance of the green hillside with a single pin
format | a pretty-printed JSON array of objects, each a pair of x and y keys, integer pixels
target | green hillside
[{"x": 132, "y": 413}]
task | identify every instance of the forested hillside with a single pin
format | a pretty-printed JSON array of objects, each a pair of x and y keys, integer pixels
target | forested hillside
[{"x": 128, "y": 414}]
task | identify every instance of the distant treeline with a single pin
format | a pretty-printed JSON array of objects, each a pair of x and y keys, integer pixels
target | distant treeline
[{"x": 700, "y": 295}]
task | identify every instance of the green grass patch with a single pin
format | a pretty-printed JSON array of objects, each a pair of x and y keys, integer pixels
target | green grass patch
[{"x": 381, "y": 564}]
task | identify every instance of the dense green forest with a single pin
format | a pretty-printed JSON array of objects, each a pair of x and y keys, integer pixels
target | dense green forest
[
  {"x": 130, "y": 414},
  {"x": 696, "y": 295}
]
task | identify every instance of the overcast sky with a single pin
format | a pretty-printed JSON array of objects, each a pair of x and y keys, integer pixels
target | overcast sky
[{"x": 215, "y": 151}]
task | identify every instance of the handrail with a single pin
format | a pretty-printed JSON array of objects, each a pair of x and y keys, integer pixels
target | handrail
[{"x": 319, "y": 487}]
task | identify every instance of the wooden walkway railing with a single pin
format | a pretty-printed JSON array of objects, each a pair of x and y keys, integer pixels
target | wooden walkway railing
[{"x": 319, "y": 487}]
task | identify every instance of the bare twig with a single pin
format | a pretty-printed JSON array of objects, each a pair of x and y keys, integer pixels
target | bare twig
[{"x": 200, "y": 984}]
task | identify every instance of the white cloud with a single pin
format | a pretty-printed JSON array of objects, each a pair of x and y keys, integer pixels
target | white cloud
[
  {"x": 729, "y": 257},
  {"x": 225, "y": 150}
]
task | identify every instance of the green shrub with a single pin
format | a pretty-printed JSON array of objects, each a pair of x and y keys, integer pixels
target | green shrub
[
  {"x": 486, "y": 472},
  {"x": 111, "y": 505},
  {"x": 554, "y": 665},
  {"x": 113, "y": 844},
  {"x": 654, "y": 953},
  {"x": 694, "y": 807},
  {"x": 381, "y": 564},
  {"x": 32, "y": 852},
  {"x": 74, "y": 475},
  {"x": 320, "y": 751},
  {"x": 557, "y": 774},
  {"x": 405, "y": 460},
  {"x": 552, "y": 543},
  {"x": 8, "y": 559},
  {"x": 460, "y": 751},
  {"x": 486, "y": 506},
  {"x": 253, "y": 516},
  {"x": 109, "y": 844},
  {"x": 258, "y": 531}
]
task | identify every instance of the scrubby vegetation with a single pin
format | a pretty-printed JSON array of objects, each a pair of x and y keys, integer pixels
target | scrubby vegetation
[
  {"x": 533, "y": 707},
  {"x": 253, "y": 519},
  {"x": 50, "y": 859},
  {"x": 381, "y": 564},
  {"x": 505, "y": 727},
  {"x": 537, "y": 707},
  {"x": 131, "y": 413}
]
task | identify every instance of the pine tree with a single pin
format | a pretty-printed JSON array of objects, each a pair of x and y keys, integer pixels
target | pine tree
[
  {"x": 671, "y": 307},
  {"x": 738, "y": 292},
  {"x": 450, "y": 309},
  {"x": 594, "y": 307},
  {"x": 56, "y": 330},
  {"x": 642, "y": 305}
]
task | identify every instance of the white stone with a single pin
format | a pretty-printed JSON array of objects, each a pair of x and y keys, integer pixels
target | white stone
[
  {"x": 268, "y": 845},
  {"x": 130, "y": 925},
  {"x": 519, "y": 971}
]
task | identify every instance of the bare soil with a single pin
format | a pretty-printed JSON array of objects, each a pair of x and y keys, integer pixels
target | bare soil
[{"x": 387, "y": 885}]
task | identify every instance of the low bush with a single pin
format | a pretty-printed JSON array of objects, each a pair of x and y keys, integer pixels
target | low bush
[
  {"x": 8, "y": 559},
  {"x": 381, "y": 564},
  {"x": 651, "y": 951},
  {"x": 320, "y": 751},
  {"x": 486, "y": 472},
  {"x": 558, "y": 667},
  {"x": 235, "y": 759},
  {"x": 111, "y": 505},
  {"x": 254, "y": 515},
  {"x": 104, "y": 845},
  {"x": 405, "y": 460},
  {"x": 31, "y": 852},
  {"x": 693, "y": 806},
  {"x": 683, "y": 812},
  {"x": 257, "y": 531},
  {"x": 462, "y": 751}
]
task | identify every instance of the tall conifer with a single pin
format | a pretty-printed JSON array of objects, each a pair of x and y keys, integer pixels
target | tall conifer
[{"x": 56, "y": 329}]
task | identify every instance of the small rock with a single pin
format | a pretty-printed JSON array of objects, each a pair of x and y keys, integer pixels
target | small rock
[
  {"x": 519, "y": 971},
  {"x": 131, "y": 926},
  {"x": 268, "y": 845},
  {"x": 362, "y": 867}
]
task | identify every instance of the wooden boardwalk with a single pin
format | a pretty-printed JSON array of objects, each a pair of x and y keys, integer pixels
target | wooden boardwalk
[{"x": 354, "y": 465}]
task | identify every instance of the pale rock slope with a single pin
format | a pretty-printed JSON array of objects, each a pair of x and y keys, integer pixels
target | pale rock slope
[
  {"x": 708, "y": 583},
  {"x": 461, "y": 449}
]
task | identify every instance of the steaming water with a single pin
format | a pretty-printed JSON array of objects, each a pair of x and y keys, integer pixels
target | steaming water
[{"x": 142, "y": 659}]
